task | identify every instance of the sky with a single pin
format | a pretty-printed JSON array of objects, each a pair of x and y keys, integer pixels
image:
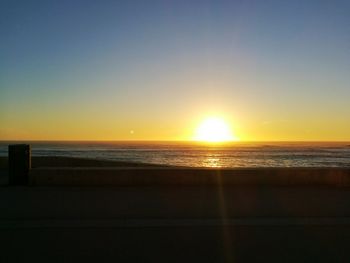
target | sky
[{"x": 153, "y": 70}]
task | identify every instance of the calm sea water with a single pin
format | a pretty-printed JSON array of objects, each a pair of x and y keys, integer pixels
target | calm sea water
[{"x": 197, "y": 155}]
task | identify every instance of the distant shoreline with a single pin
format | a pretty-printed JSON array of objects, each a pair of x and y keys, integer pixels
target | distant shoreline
[{"x": 236, "y": 155}]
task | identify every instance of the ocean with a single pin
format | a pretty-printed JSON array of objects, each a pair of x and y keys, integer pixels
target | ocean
[{"x": 201, "y": 155}]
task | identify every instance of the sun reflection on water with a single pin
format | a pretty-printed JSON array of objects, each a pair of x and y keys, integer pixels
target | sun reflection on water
[{"x": 212, "y": 160}]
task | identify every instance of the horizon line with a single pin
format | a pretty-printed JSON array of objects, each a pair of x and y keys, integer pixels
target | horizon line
[{"x": 186, "y": 141}]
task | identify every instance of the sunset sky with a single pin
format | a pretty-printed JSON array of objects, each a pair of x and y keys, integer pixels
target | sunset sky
[{"x": 154, "y": 70}]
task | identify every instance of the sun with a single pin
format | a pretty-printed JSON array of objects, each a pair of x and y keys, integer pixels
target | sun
[{"x": 214, "y": 129}]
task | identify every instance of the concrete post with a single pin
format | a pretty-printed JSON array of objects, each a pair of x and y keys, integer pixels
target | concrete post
[{"x": 19, "y": 164}]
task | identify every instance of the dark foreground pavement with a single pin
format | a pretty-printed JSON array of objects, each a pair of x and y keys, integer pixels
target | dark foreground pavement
[
  {"x": 175, "y": 224},
  {"x": 178, "y": 244}
]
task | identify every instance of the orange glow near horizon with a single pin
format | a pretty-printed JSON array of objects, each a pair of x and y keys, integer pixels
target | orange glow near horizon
[{"x": 214, "y": 130}]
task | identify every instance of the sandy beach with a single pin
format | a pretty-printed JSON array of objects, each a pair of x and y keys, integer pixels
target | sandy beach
[
  {"x": 66, "y": 171},
  {"x": 59, "y": 161}
]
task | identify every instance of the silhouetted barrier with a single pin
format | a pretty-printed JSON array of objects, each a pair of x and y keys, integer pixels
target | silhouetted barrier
[
  {"x": 19, "y": 163},
  {"x": 190, "y": 176}
]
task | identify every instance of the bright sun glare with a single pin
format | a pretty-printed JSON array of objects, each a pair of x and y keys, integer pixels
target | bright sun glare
[{"x": 214, "y": 130}]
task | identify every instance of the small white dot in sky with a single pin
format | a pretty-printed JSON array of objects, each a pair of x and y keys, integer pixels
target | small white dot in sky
[{"x": 131, "y": 132}]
